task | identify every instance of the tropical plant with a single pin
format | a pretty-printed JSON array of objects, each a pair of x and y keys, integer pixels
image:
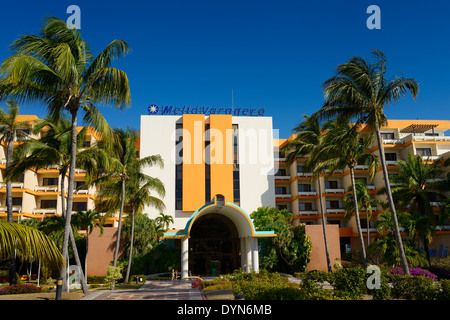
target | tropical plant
[
  {"x": 122, "y": 178},
  {"x": 359, "y": 92},
  {"x": 290, "y": 250},
  {"x": 309, "y": 140},
  {"x": 51, "y": 150},
  {"x": 414, "y": 188},
  {"x": 87, "y": 221},
  {"x": 354, "y": 153},
  {"x": 29, "y": 243},
  {"x": 11, "y": 130},
  {"x": 164, "y": 220},
  {"x": 58, "y": 69}
]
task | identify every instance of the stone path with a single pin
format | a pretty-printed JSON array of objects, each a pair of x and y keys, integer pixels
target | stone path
[{"x": 151, "y": 290}]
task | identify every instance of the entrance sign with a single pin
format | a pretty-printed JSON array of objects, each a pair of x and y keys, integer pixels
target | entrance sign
[{"x": 154, "y": 109}]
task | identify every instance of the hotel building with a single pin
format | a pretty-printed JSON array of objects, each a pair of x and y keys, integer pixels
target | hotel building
[{"x": 218, "y": 169}]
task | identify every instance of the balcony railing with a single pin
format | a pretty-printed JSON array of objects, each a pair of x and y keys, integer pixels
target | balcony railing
[
  {"x": 393, "y": 141},
  {"x": 370, "y": 187},
  {"x": 282, "y": 178},
  {"x": 391, "y": 162},
  {"x": 337, "y": 190},
  {"x": 46, "y": 188},
  {"x": 304, "y": 174},
  {"x": 14, "y": 209},
  {"x": 13, "y": 185},
  {"x": 361, "y": 167},
  {"x": 308, "y": 212},
  {"x": 436, "y": 204},
  {"x": 81, "y": 191},
  {"x": 44, "y": 211},
  {"x": 283, "y": 195},
  {"x": 431, "y": 138},
  {"x": 335, "y": 210},
  {"x": 307, "y": 193},
  {"x": 442, "y": 228}
]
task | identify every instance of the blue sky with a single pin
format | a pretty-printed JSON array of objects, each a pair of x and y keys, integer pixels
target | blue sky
[{"x": 273, "y": 54}]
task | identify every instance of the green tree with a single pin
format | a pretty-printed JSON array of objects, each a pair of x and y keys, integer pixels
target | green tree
[
  {"x": 164, "y": 220},
  {"x": 359, "y": 92},
  {"x": 414, "y": 189},
  {"x": 58, "y": 69},
  {"x": 353, "y": 154},
  {"x": 11, "y": 130},
  {"x": 121, "y": 179},
  {"x": 290, "y": 250},
  {"x": 87, "y": 221},
  {"x": 310, "y": 140},
  {"x": 53, "y": 150},
  {"x": 28, "y": 243}
]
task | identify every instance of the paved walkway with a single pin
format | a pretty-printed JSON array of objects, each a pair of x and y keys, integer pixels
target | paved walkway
[{"x": 151, "y": 290}]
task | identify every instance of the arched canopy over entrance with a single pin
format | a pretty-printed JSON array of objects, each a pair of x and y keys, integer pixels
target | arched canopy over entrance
[
  {"x": 236, "y": 214},
  {"x": 221, "y": 234}
]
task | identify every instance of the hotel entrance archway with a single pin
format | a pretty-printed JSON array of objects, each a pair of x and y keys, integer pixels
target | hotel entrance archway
[{"x": 214, "y": 246}]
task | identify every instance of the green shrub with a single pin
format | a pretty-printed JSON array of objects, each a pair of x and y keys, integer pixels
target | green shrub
[
  {"x": 416, "y": 287},
  {"x": 444, "y": 293},
  {"x": 95, "y": 279},
  {"x": 320, "y": 276},
  {"x": 350, "y": 282}
]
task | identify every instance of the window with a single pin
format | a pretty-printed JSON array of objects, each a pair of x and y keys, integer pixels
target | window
[
  {"x": 333, "y": 204},
  {"x": 79, "y": 206},
  {"x": 50, "y": 181},
  {"x": 305, "y": 206},
  {"x": 390, "y": 156},
  {"x": 332, "y": 184},
  {"x": 236, "y": 182},
  {"x": 86, "y": 144},
  {"x": 424, "y": 152},
  {"x": 48, "y": 204},
  {"x": 280, "y": 190},
  {"x": 281, "y": 172},
  {"x": 179, "y": 169},
  {"x": 304, "y": 187},
  {"x": 17, "y": 201},
  {"x": 282, "y": 207},
  {"x": 387, "y": 136}
]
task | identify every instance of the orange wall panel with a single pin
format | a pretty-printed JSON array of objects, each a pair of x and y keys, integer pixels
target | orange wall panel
[
  {"x": 221, "y": 156},
  {"x": 193, "y": 161}
]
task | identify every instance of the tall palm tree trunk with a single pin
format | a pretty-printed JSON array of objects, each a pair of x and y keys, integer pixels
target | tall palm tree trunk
[
  {"x": 10, "y": 217},
  {"x": 116, "y": 252},
  {"x": 131, "y": 248},
  {"x": 72, "y": 242},
  {"x": 325, "y": 238},
  {"x": 391, "y": 202},
  {"x": 67, "y": 226},
  {"x": 358, "y": 222}
]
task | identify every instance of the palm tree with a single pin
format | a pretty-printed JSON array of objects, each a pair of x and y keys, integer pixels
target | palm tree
[
  {"x": 28, "y": 243},
  {"x": 359, "y": 92},
  {"x": 58, "y": 69},
  {"x": 164, "y": 220},
  {"x": 309, "y": 141},
  {"x": 353, "y": 154},
  {"x": 125, "y": 169},
  {"x": 414, "y": 189},
  {"x": 11, "y": 130},
  {"x": 87, "y": 221},
  {"x": 365, "y": 202},
  {"x": 53, "y": 149}
]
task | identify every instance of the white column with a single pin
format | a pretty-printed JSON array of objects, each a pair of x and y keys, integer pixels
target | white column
[
  {"x": 248, "y": 249},
  {"x": 255, "y": 255},
  {"x": 243, "y": 254},
  {"x": 184, "y": 258}
]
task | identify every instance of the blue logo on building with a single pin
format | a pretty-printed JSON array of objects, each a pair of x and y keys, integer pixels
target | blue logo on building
[{"x": 153, "y": 109}]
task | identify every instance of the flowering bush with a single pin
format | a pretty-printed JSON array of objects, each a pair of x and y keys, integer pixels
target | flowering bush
[
  {"x": 20, "y": 289},
  {"x": 414, "y": 272}
]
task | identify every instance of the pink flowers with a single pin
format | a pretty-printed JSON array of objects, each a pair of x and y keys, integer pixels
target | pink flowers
[
  {"x": 19, "y": 289},
  {"x": 414, "y": 272}
]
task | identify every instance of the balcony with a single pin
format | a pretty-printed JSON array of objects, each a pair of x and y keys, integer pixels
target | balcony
[
  {"x": 335, "y": 210},
  {"x": 430, "y": 138},
  {"x": 307, "y": 193},
  {"x": 81, "y": 191},
  {"x": 46, "y": 188},
  {"x": 14, "y": 209},
  {"x": 304, "y": 174},
  {"x": 436, "y": 204},
  {"x": 282, "y": 178},
  {"x": 361, "y": 167},
  {"x": 308, "y": 212},
  {"x": 370, "y": 187},
  {"x": 283, "y": 196},
  {"x": 335, "y": 190},
  {"x": 391, "y": 162},
  {"x": 44, "y": 211},
  {"x": 393, "y": 141},
  {"x": 13, "y": 185},
  {"x": 279, "y": 159}
]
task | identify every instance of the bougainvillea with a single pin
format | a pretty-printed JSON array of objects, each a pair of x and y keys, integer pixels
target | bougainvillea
[
  {"x": 19, "y": 289},
  {"x": 414, "y": 272}
]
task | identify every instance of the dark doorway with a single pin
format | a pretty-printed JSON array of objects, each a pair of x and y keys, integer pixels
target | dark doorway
[{"x": 213, "y": 246}]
